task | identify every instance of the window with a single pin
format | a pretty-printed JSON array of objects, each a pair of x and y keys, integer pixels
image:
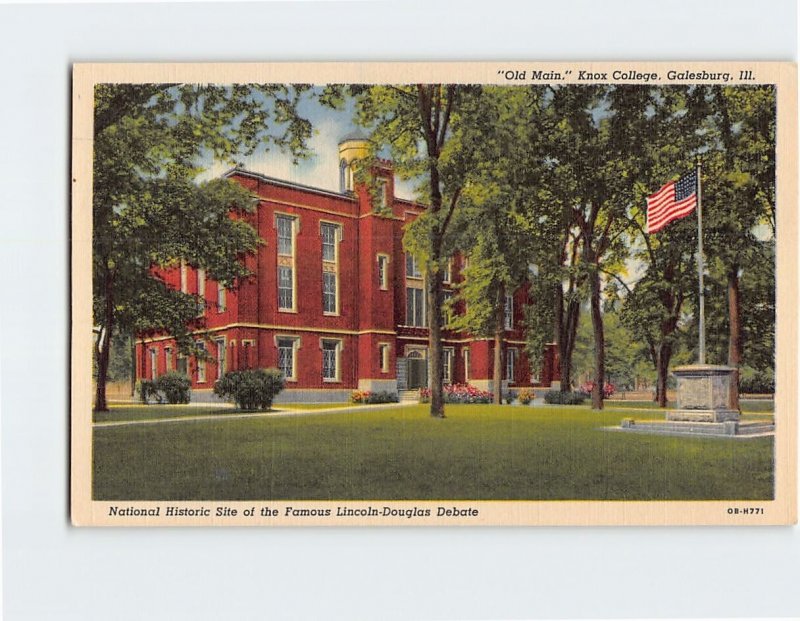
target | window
[
  {"x": 220, "y": 343},
  {"x": 509, "y": 312},
  {"x": 183, "y": 366},
  {"x": 329, "y": 293},
  {"x": 383, "y": 194},
  {"x": 184, "y": 277},
  {"x": 201, "y": 282},
  {"x": 153, "y": 363},
  {"x": 285, "y": 227},
  {"x": 168, "y": 359},
  {"x": 447, "y": 365},
  {"x": 447, "y": 272},
  {"x": 447, "y": 306},
  {"x": 412, "y": 268},
  {"x": 383, "y": 350},
  {"x": 329, "y": 235},
  {"x": 201, "y": 363},
  {"x": 466, "y": 364},
  {"x": 330, "y": 360},
  {"x": 511, "y": 364},
  {"x": 222, "y": 300},
  {"x": 415, "y": 307},
  {"x": 286, "y": 357},
  {"x": 383, "y": 271},
  {"x": 285, "y": 288}
]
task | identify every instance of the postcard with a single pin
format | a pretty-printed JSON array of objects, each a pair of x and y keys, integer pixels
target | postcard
[{"x": 434, "y": 294}]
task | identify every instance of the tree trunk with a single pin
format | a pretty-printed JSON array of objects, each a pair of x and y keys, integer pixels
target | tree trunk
[
  {"x": 435, "y": 362},
  {"x": 662, "y": 368},
  {"x": 133, "y": 365},
  {"x": 103, "y": 350},
  {"x": 567, "y": 344},
  {"x": 599, "y": 343},
  {"x": 734, "y": 333},
  {"x": 499, "y": 326}
]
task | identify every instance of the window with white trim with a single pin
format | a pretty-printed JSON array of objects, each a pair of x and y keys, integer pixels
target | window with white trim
[
  {"x": 447, "y": 306},
  {"x": 201, "y": 282},
  {"x": 415, "y": 307},
  {"x": 330, "y": 359},
  {"x": 447, "y": 365},
  {"x": 287, "y": 348},
  {"x": 221, "y": 358},
  {"x": 412, "y": 267},
  {"x": 383, "y": 271},
  {"x": 329, "y": 234},
  {"x": 466, "y": 364},
  {"x": 285, "y": 226},
  {"x": 509, "y": 312},
  {"x": 447, "y": 272},
  {"x": 201, "y": 364},
  {"x": 511, "y": 364},
  {"x": 285, "y": 288},
  {"x": 329, "y": 293},
  {"x": 222, "y": 298},
  {"x": 168, "y": 359},
  {"x": 153, "y": 363},
  {"x": 383, "y": 352},
  {"x": 183, "y": 364},
  {"x": 184, "y": 277}
]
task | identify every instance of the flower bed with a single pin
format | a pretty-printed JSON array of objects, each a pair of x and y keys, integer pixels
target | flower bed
[{"x": 458, "y": 393}]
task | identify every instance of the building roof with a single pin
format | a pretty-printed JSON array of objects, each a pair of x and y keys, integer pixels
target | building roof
[{"x": 354, "y": 135}]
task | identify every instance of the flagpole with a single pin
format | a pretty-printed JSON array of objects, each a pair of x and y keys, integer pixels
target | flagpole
[{"x": 700, "y": 266}]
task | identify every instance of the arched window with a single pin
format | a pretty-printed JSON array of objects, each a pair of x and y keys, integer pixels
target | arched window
[{"x": 344, "y": 178}]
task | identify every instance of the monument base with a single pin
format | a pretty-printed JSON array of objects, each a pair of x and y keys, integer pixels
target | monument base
[
  {"x": 703, "y": 416},
  {"x": 726, "y": 429}
]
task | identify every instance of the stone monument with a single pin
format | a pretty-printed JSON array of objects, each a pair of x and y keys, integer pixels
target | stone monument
[{"x": 704, "y": 394}]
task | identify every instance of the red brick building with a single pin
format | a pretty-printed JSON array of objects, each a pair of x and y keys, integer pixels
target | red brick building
[{"x": 333, "y": 302}]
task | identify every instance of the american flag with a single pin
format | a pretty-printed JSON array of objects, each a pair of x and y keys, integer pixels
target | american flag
[{"x": 674, "y": 200}]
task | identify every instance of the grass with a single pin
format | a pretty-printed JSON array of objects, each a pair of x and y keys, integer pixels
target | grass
[
  {"x": 120, "y": 413},
  {"x": 766, "y": 406},
  {"x": 478, "y": 453}
]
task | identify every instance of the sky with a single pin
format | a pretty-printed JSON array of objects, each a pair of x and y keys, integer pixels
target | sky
[{"x": 321, "y": 169}]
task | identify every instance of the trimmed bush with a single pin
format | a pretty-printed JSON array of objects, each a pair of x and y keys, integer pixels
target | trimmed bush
[
  {"x": 253, "y": 389},
  {"x": 367, "y": 396},
  {"x": 556, "y": 397},
  {"x": 175, "y": 386},
  {"x": 509, "y": 396}
]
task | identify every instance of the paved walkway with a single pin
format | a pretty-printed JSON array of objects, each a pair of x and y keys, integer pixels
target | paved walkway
[{"x": 277, "y": 413}]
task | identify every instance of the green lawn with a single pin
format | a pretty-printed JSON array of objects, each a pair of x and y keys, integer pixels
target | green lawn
[
  {"x": 765, "y": 406},
  {"x": 478, "y": 453},
  {"x": 119, "y": 413}
]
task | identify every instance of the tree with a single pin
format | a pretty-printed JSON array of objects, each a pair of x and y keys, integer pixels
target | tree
[
  {"x": 415, "y": 124},
  {"x": 149, "y": 210}
]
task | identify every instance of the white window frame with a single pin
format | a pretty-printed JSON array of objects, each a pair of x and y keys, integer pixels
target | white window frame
[
  {"x": 184, "y": 277},
  {"x": 281, "y": 218},
  {"x": 153, "y": 353},
  {"x": 383, "y": 352},
  {"x": 448, "y": 356},
  {"x": 412, "y": 268},
  {"x": 324, "y": 345},
  {"x": 383, "y": 271},
  {"x": 168, "y": 359},
  {"x": 418, "y": 322},
  {"x": 467, "y": 355},
  {"x": 447, "y": 309},
  {"x": 295, "y": 346},
  {"x": 221, "y": 360},
  {"x": 511, "y": 364},
  {"x": 447, "y": 272},
  {"x": 222, "y": 298},
  {"x": 201, "y": 365},
  {"x": 327, "y": 295},
  {"x": 201, "y": 282},
  {"x": 508, "y": 312}
]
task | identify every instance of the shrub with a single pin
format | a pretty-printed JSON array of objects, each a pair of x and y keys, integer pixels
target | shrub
[
  {"x": 253, "y": 389},
  {"x": 367, "y": 396},
  {"x": 458, "y": 393},
  {"x": 147, "y": 390},
  {"x": 525, "y": 395},
  {"x": 175, "y": 386},
  {"x": 510, "y": 396},
  {"x": 556, "y": 397}
]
